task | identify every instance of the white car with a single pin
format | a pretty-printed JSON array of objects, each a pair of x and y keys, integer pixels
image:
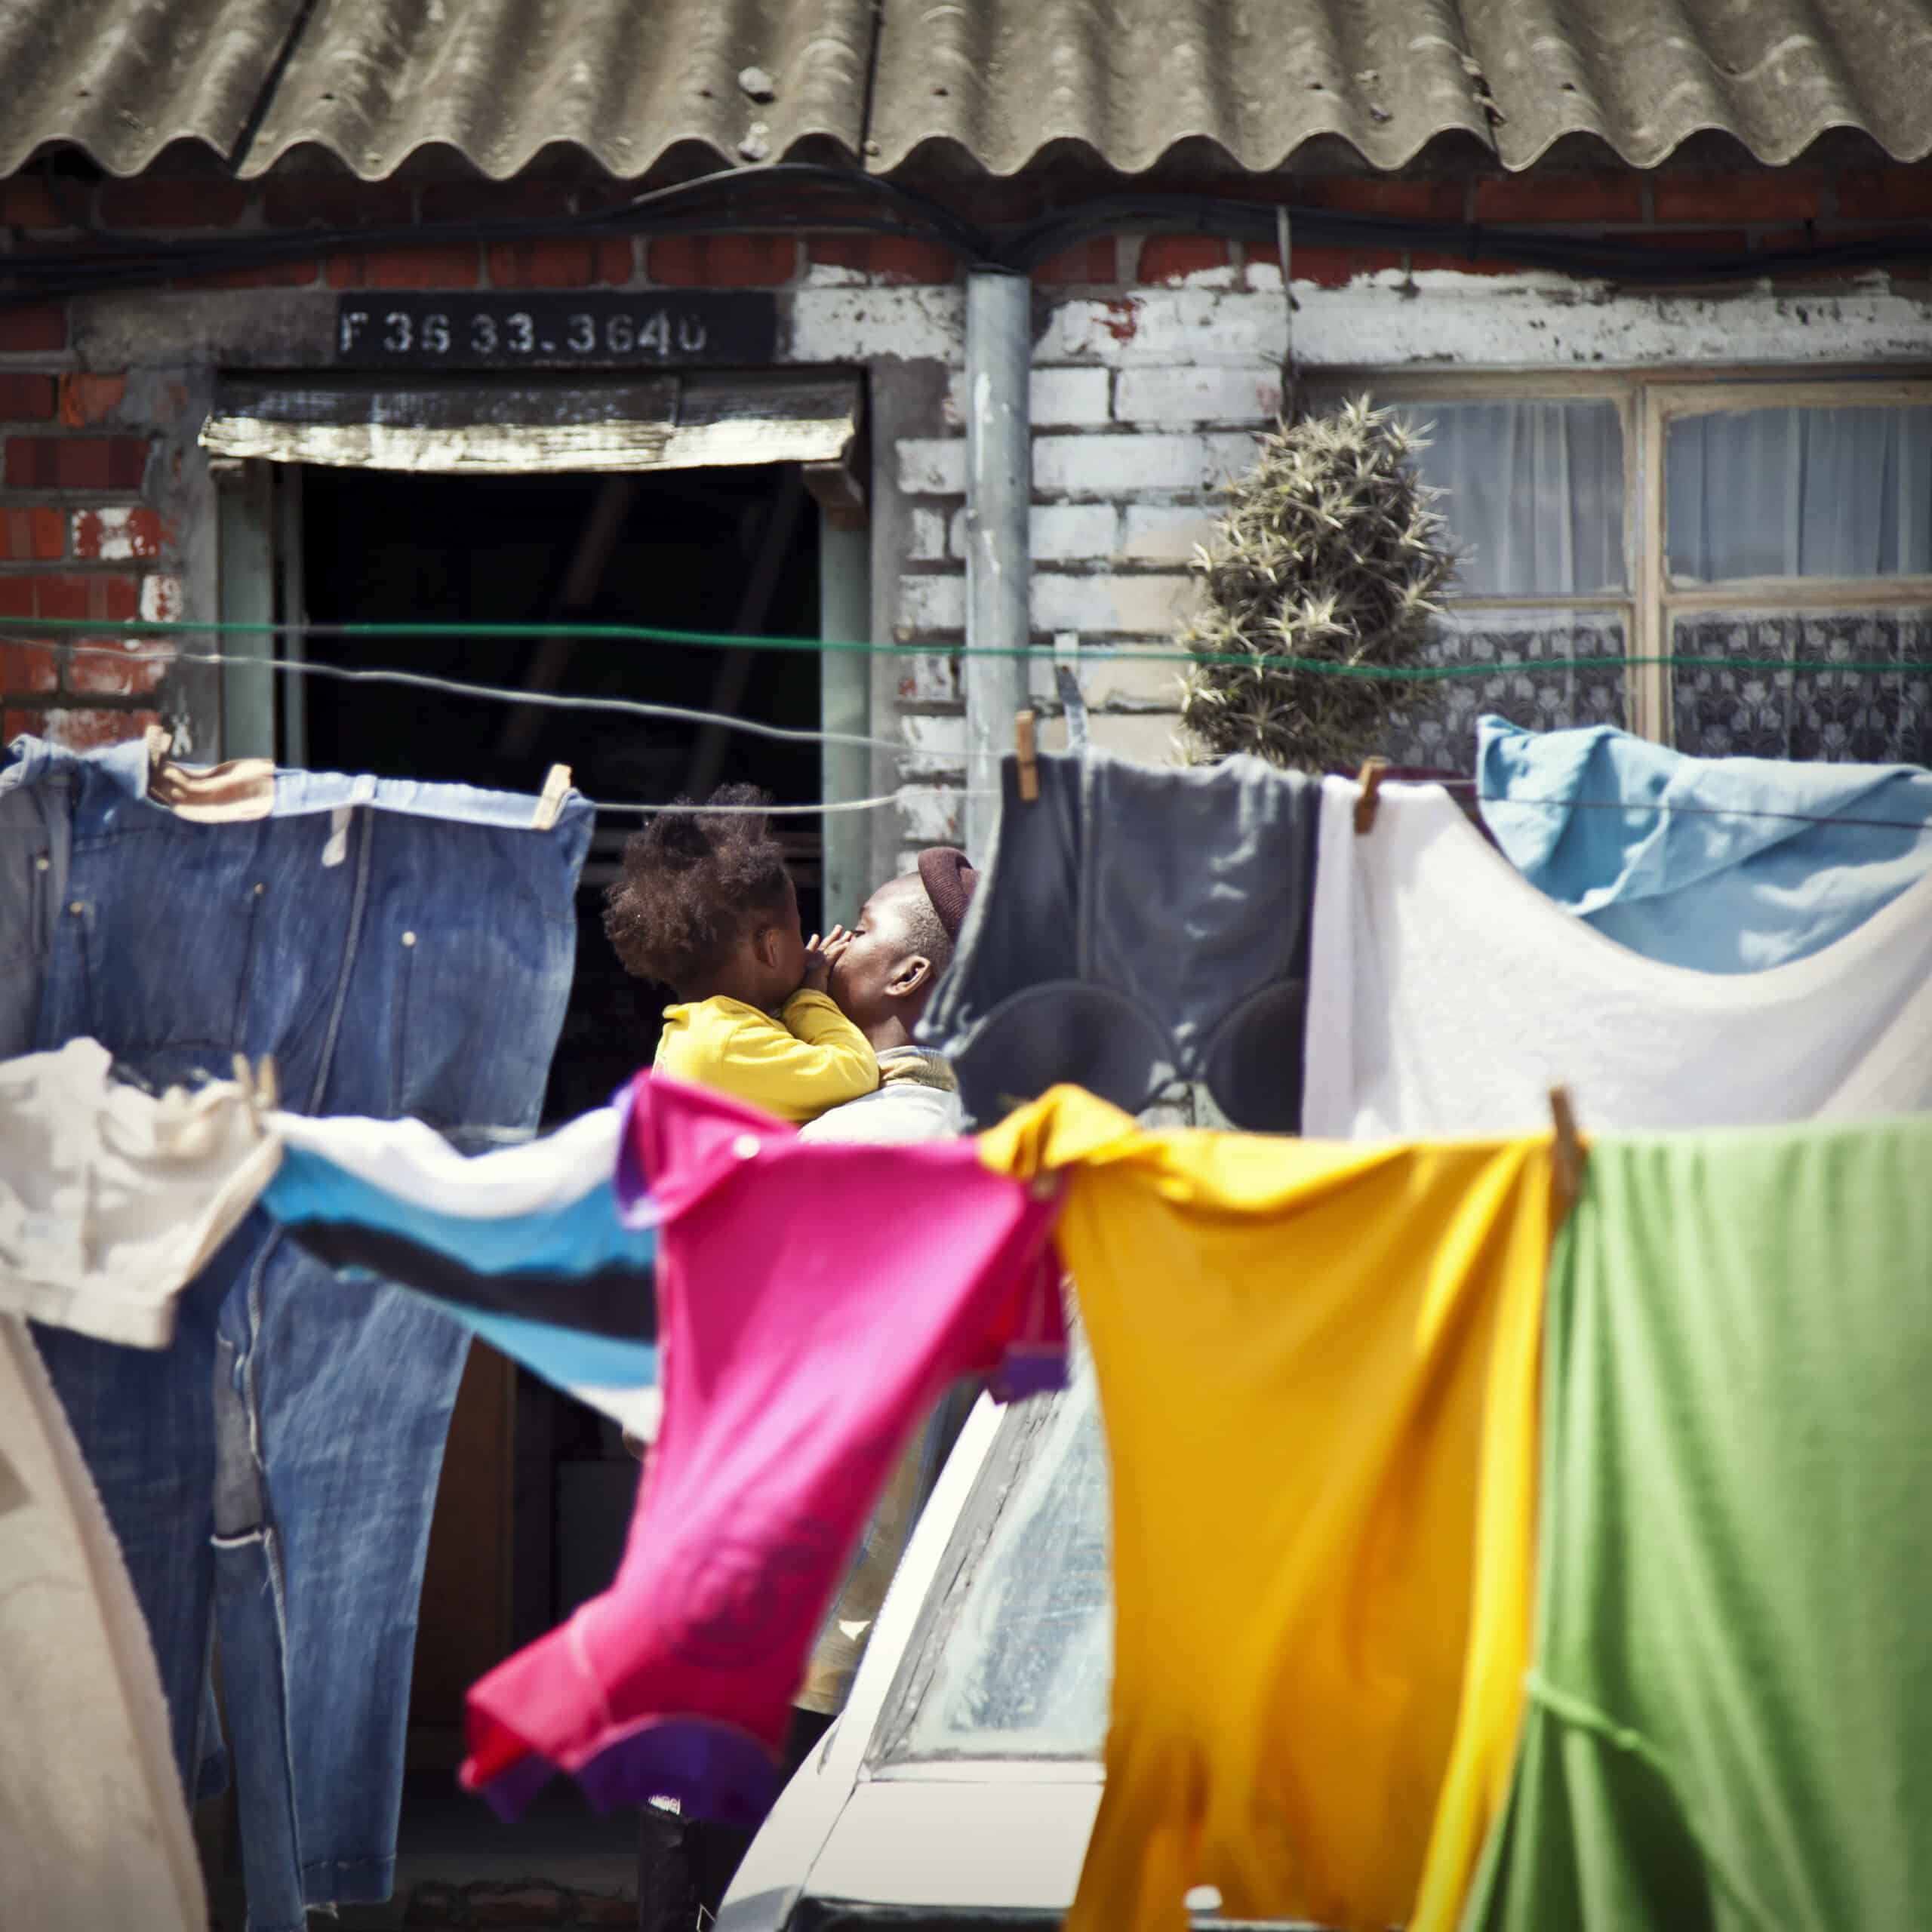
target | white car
[{"x": 959, "y": 1788}]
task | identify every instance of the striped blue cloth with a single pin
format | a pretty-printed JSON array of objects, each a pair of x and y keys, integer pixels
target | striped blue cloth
[{"x": 528, "y": 1246}]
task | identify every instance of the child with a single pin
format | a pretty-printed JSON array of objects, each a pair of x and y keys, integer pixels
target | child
[{"x": 706, "y": 907}]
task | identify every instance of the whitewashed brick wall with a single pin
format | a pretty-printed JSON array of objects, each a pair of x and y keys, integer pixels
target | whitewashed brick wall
[
  {"x": 1145, "y": 396},
  {"x": 1144, "y": 403}
]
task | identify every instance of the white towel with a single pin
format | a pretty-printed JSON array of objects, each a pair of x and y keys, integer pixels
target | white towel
[{"x": 1447, "y": 995}]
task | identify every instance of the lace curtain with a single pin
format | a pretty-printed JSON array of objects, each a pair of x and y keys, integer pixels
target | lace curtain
[
  {"x": 1535, "y": 496},
  {"x": 1813, "y": 710},
  {"x": 1817, "y": 493}
]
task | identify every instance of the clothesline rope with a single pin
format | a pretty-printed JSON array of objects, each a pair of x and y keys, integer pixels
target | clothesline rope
[
  {"x": 635, "y": 707},
  {"x": 645, "y": 708},
  {"x": 1130, "y": 653},
  {"x": 873, "y": 804},
  {"x": 1467, "y": 785}
]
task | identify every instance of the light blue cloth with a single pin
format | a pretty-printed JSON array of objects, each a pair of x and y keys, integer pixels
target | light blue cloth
[
  {"x": 571, "y": 1239},
  {"x": 1721, "y": 883}
]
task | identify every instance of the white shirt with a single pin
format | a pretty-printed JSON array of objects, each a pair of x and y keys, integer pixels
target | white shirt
[
  {"x": 920, "y": 1104},
  {"x": 112, "y": 1200}
]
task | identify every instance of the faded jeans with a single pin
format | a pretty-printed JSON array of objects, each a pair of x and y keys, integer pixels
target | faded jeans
[
  {"x": 400, "y": 948},
  {"x": 37, "y": 782}
]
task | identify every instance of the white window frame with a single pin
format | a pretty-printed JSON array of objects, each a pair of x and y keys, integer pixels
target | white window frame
[{"x": 1647, "y": 402}]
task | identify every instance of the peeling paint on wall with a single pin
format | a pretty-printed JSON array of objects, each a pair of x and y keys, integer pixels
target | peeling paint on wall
[{"x": 1495, "y": 322}]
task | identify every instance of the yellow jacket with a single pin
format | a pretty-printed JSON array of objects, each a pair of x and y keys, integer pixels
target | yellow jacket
[
  {"x": 1317, "y": 1370},
  {"x": 811, "y": 1058}
]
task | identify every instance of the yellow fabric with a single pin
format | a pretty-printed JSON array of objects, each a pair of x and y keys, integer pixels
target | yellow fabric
[
  {"x": 796, "y": 1066},
  {"x": 1317, "y": 1368}
]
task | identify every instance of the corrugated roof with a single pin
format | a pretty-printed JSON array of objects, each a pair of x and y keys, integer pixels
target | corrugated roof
[
  {"x": 992, "y": 82},
  {"x": 1647, "y": 74},
  {"x": 372, "y": 81},
  {"x": 122, "y": 78},
  {"x": 1127, "y": 80},
  {"x": 1002, "y": 79}
]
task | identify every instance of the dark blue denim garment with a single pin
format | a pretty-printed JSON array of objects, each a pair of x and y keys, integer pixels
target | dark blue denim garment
[
  {"x": 36, "y": 814},
  {"x": 1138, "y": 925},
  {"x": 401, "y": 949}
]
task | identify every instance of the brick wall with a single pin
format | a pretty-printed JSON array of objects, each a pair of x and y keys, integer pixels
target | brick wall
[
  {"x": 80, "y": 540},
  {"x": 1158, "y": 356},
  {"x": 1140, "y": 407}
]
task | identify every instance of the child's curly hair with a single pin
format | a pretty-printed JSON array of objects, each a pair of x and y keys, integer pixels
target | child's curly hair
[{"x": 691, "y": 885}]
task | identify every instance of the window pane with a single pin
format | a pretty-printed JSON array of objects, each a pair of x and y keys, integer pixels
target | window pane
[
  {"x": 1798, "y": 493},
  {"x": 1029, "y": 1661},
  {"x": 1815, "y": 709},
  {"x": 1534, "y": 492},
  {"x": 1433, "y": 723}
]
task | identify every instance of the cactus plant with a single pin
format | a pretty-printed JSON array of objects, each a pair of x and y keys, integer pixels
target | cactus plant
[{"x": 1329, "y": 550}]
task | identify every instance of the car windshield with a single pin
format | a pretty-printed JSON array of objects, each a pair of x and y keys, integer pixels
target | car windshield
[{"x": 1014, "y": 1656}]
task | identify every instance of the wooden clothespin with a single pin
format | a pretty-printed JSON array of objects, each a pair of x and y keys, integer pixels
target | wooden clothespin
[
  {"x": 160, "y": 742},
  {"x": 261, "y": 1091},
  {"x": 245, "y": 1078},
  {"x": 1369, "y": 780},
  {"x": 1568, "y": 1150},
  {"x": 550, "y": 800},
  {"x": 1026, "y": 749}
]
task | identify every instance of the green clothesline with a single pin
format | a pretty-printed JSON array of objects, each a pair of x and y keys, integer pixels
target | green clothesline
[{"x": 1136, "y": 653}]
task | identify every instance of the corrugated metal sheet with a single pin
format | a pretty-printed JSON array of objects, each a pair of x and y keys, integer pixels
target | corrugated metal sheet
[
  {"x": 372, "y": 81},
  {"x": 999, "y": 80},
  {"x": 1646, "y": 74},
  {"x": 993, "y": 82},
  {"x": 122, "y": 78}
]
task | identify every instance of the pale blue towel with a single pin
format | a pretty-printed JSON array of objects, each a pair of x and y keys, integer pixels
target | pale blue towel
[{"x": 1725, "y": 887}]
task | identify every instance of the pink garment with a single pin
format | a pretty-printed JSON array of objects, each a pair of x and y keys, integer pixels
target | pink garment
[{"x": 813, "y": 1301}]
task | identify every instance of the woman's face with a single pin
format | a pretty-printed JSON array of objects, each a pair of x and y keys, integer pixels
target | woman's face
[{"x": 881, "y": 965}]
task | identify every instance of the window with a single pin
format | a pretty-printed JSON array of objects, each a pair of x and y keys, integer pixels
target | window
[
  {"x": 1774, "y": 538},
  {"x": 1013, "y": 1657},
  {"x": 1795, "y": 530}
]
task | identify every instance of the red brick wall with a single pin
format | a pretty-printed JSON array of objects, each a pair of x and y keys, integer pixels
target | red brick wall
[
  {"x": 83, "y": 527},
  {"x": 77, "y": 542},
  {"x": 1764, "y": 208},
  {"x": 1696, "y": 211},
  {"x": 82, "y": 533}
]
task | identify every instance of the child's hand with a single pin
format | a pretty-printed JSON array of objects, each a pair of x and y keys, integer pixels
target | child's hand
[{"x": 821, "y": 956}]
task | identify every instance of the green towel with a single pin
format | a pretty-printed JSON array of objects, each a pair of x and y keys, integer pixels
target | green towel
[{"x": 1729, "y": 1718}]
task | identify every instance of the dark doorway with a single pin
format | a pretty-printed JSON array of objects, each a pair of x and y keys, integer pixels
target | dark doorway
[
  {"x": 716, "y": 551},
  {"x": 541, "y": 1481}
]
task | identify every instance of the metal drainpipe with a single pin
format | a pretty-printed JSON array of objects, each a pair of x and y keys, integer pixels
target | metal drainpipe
[{"x": 999, "y": 352}]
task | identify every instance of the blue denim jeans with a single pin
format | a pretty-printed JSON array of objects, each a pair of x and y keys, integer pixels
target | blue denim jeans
[
  {"x": 400, "y": 948},
  {"x": 36, "y": 818}
]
